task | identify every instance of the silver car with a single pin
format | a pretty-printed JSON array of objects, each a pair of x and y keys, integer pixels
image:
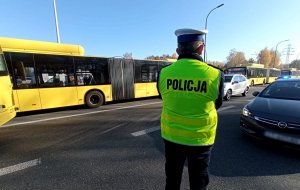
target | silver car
[{"x": 235, "y": 84}]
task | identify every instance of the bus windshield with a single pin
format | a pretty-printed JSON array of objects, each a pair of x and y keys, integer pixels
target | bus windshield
[{"x": 238, "y": 70}]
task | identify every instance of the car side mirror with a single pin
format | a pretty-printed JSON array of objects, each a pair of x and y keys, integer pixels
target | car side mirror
[
  {"x": 255, "y": 93},
  {"x": 235, "y": 82}
]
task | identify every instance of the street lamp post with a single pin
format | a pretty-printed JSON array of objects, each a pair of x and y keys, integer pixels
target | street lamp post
[
  {"x": 205, "y": 57},
  {"x": 56, "y": 22},
  {"x": 276, "y": 51}
]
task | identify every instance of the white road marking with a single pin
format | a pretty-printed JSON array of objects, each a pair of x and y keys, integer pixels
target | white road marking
[
  {"x": 76, "y": 115},
  {"x": 108, "y": 130},
  {"x": 224, "y": 108},
  {"x": 146, "y": 131},
  {"x": 21, "y": 166},
  {"x": 153, "y": 129}
]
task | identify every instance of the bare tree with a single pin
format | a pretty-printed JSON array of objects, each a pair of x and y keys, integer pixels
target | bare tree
[
  {"x": 235, "y": 58},
  {"x": 162, "y": 57},
  {"x": 295, "y": 64},
  {"x": 251, "y": 60},
  {"x": 128, "y": 55},
  {"x": 174, "y": 56},
  {"x": 275, "y": 62},
  {"x": 217, "y": 64},
  {"x": 265, "y": 57}
]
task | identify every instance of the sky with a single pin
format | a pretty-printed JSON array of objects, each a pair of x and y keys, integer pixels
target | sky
[{"x": 146, "y": 27}]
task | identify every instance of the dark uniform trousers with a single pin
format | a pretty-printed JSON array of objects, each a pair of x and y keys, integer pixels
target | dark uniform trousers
[{"x": 198, "y": 161}]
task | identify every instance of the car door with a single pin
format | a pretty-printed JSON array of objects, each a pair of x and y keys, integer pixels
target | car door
[
  {"x": 235, "y": 85},
  {"x": 244, "y": 83},
  {"x": 239, "y": 85}
]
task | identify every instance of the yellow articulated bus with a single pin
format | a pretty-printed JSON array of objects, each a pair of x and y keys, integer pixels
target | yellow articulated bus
[
  {"x": 49, "y": 75},
  {"x": 255, "y": 75},
  {"x": 7, "y": 110}
]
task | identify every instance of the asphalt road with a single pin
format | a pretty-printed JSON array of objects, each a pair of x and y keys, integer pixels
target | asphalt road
[{"x": 118, "y": 147}]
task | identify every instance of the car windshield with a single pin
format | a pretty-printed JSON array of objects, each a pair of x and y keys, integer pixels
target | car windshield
[
  {"x": 283, "y": 90},
  {"x": 228, "y": 78}
]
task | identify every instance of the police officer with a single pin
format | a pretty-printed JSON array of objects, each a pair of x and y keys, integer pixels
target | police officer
[{"x": 191, "y": 91}]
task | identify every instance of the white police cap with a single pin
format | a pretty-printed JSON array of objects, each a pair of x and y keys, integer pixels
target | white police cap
[{"x": 189, "y": 35}]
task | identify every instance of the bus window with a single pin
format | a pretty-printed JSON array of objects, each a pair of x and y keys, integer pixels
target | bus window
[
  {"x": 146, "y": 71},
  {"x": 153, "y": 73},
  {"x": 236, "y": 70},
  {"x": 55, "y": 71},
  {"x": 91, "y": 71},
  {"x": 251, "y": 73},
  {"x": 23, "y": 70},
  {"x": 138, "y": 71}
]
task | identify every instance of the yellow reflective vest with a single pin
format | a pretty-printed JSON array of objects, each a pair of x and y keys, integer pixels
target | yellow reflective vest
[{"x": 189, "y": 89}]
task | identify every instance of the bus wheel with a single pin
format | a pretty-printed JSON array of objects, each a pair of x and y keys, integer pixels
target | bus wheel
[
  {"x": 94, "y": 99},
  {"x": 228, "y": 95},
  {"x": 252, "y": 83}
]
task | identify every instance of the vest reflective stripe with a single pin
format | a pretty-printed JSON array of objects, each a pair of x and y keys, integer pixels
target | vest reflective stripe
[
  {"x": 179, "y": 136},
  {"x": 189, "y": 121},
  {"x": 189, "y": 89}
]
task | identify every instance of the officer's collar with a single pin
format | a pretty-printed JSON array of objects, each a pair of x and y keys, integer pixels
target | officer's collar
[{"x": 191, "y": 56}]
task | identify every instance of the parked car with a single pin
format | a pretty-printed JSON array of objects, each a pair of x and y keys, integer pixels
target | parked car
[
  {"x": 275, "y": 113},
  {"x": 235, "y": 84}
]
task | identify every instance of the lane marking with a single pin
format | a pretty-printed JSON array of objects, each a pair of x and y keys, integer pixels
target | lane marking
[
  {"x": 108, "y": 130},
  {"x": 224, "y": 108},
  {"x": 153, "y": 129},
  {"x": 146, "y": 131},
  {"x": 76, "y": 115},
  {"x": 21, "y": 166}
]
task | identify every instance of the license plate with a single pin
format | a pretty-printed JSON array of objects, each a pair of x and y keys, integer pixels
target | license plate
[{"x": 283, "y": 138}]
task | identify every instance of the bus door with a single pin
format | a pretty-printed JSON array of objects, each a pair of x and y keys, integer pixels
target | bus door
[
  {"x": 122, "y": 78},
  {"x": 7, "y": 110},
  {"x": 26, "y": 93},
  {"x": 56, "y": 80}
]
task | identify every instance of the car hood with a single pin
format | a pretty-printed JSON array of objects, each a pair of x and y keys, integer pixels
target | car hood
[{"x": 277, "y": 109}]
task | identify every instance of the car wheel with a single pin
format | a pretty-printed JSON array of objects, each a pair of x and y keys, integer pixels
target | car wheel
[
  {"x": 246, "y": 91},
  {"x": 228, "y": 95},
  {"x": 94, "y": 99},
  {"x": 252, "y": 83}
]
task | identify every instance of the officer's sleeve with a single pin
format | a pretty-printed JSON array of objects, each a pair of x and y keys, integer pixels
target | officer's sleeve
[
  {"x": 157, "y": 84},
  {"x": 219, "y": 100}
]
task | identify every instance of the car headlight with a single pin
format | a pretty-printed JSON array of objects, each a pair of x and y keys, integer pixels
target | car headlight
[{"x": 246, "y": 112}]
